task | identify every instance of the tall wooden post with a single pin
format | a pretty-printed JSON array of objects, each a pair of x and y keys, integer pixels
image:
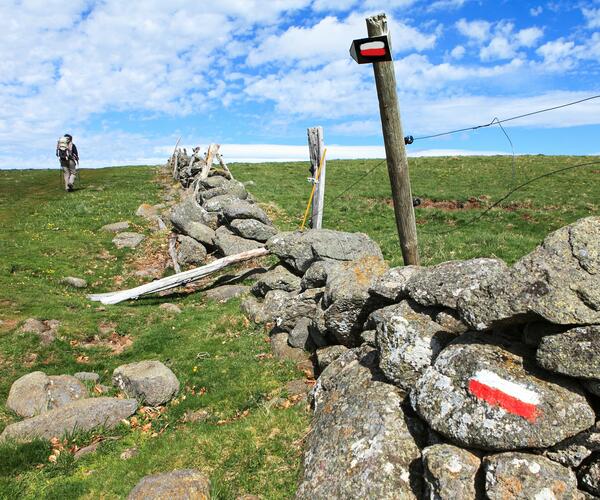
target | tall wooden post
[
  {"x": 395, "y": 151},
  {"x": 316, "y": 148}
]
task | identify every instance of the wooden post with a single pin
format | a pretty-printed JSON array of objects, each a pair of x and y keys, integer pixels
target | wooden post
[
  {"x": 212, "y": 150},
  {"x": 395, "y": 151},
  {"x": 173, "y": 160},
  {"x": 316, "y": 148}
]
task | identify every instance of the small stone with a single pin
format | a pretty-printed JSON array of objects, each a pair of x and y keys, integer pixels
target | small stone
[
  {"x": 283, "y": 351},
  {"x": 147, "y": 211},
  {"x": 449, "y": 472},
  {"x": 87, "y": 377},
  {"x": 300, "y": 334},
  {"x": 74, "y": 282},
  {"x": 297, "y": 388},
  {"x": 589, "y": 476},
  {"x": 45, "y": 330},
  {"x": 151, "y": 382},
  {"x": 190, "y": 252},
  {"x": 196, "y": 416},
  {"x": 229, "y": 243},
  {"x": 252, "y": 229},
  {"x": 369, "y": 337},
  {"x": 242, "y": 209},
  {"x": 522, "y": 476},
  {"x": 129, "y": 453},
  {"x": 200, "y": 232},
  {"x": 115, "y": 227},
  {"x": 128, "y": 240},
  {"x": 185, "y": 484},
  {"x": 28, "y": 395},
  {"x": 172, "y": 308},
  {"x": 391, "y": 286},
  {"x": 225, "y": 293},
  {"x": 278, "y": 278}
]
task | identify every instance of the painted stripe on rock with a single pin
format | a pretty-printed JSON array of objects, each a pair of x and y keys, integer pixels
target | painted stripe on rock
[{"x": 512, "y": 397}]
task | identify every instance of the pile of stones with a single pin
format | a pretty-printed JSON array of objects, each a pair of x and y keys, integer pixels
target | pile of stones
[
  {"x": 217, "y": 215},
  {"x": 55, "y": 405},
  {"x": 462, "y": 380}
]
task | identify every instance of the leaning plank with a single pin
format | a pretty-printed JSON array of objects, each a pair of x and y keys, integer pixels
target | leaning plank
[
  {"x": 173, "y": 252},
  {"x": 224, "y": 165},
  {"x": 177, "y": 279},
  {"x": 213, "y": 149}
]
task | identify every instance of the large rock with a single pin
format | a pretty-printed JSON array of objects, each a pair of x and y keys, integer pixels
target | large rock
[
  {"x": 522, "y": 476},
  {"x": 189, "y": 211},
  {"x": 390, "y": 287},
  {"x": 559, "y": 281},
  {"x": 408, "y": 341},
  {"x": 269, "y": 309},
  {"x": 327, "y": 355},
  {"x": 150, "y": 382},
  {"x": 347, "y": 298},
  {"x": 301, "y": 249},
  {"x": 213, "y": 181},
  {"x": 449, "y": 472},
  {"x": 46, "y": 330},
  {"x": 200, "y": 232},
  {"x": 218, "y": 204},
  {"x": 128, "y": 240},
  {"x": 252, "y": 229},
  {"x": 225, "y": 293},
  {"x": 486, "y": 396},
  {"x": 184, "y": 484},
  {"x": 82, "y": 415},
  {"x": 298, "y": 306},
  {"x": 36, "y": 393},
  {"x": 231, "y": 188},
  {"x": 573, "y": 451},
  {"x": 575, "y": 352},
  {"x": 443, "y": 284},
  {"x": 362, "y": 445},
  {"x": 316, "y": 275},
  {"x": 230, "y": 244},
  {"x": 242, "y": 209},
  {"x": 278, "y": 278},
  {"x": 190, "y": 252}
]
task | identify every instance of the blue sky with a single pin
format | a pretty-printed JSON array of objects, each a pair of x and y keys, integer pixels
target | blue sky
[{"x": 128, "y": 78}]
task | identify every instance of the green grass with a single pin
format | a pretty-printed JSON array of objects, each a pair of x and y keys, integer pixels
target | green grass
[
  {"x": 244, "y": 445},
  {"x": 508, "y": 232}
]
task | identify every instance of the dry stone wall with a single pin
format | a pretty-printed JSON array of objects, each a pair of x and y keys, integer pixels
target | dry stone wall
[{"x": 469, "y": 379}]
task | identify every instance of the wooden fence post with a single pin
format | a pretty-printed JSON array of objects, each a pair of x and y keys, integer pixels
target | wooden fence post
[
  {"x": 395, "y": 151},
  {"x": 316, "y": 148}
]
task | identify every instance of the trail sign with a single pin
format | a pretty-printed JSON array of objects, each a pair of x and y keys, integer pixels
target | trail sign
[{"x": 370, "y": 50}]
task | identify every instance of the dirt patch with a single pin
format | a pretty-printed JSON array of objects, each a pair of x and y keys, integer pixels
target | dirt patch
[
  {"x": 449, "y": 205},
  {"x": 115, "y": 342}
]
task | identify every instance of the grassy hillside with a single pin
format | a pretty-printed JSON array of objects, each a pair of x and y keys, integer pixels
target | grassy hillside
[
  {"x": 508, "y": 232},
  {"x": 246, "y": 444}
]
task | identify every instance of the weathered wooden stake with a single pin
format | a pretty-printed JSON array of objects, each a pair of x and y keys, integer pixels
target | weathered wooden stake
[
  {"x": 174, "y": 156},
  {"x": 316, "y": 147},
  {"x": 395, "y": 151}
]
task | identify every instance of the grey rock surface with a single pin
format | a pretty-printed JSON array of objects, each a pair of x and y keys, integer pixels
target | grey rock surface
[
  {"x": 28, "y": 395},
  {"x": 449, "y": 473},
  {"x": 200, "y": 232},
  {"x": 442, "y": 285},
  {"x": 171, "y": 308},
  {"x": 362, "y": 444},
  {"x": 128, "y": 240},
  {"x": 46, "y": 330},
  {"x": 87, "y": 377},
  {"x": 218, "y": 204},
  {"x": 487, "y": 396},
  {"x": 589, "y": 476},
  {"x": 327, "y": 355},
  {"x": 278, "y": 278},
  {"x": 408, "y": 341},
  {"x": 573, "y": 451},
  {"x": 252, "y": 229},
  {"x": 559, "y": 281},
  {"x": 535, "y": 331},
  {"x": 74, "y": 282},
  {"x": 64, "y": 389},
  {"x": 283, "y": 351},
  {"x": 297, "y": 306},
  {"x": 232, "y": 188},
  {"x": 575, "y": 352},
  {"x": 190, "y": 252},
  {"x": 225, "y": 293},
  {"x": 213, "y": 181},
  {"x": 299, "y": 336},
  {"x": 189, "y": 211},
  {"x": 242, "y": 209},
  {"x": 316, "y": 275},
  {"x": 82, "y": 415},
  {"x": 390, "y": 287},
  {"x": 115, "y": 227},
  {"x": 347, "y": 298},
  {"x": 150, "y": 382},
  {"x": 522, "y": 476},
  {"x": 229, "y": 243},
  {"x": 184, "y": 484},
  {"x": 301, "y": 249},
  {"x": 269, "y": 309},
  {"x": 449, "y": 320}
]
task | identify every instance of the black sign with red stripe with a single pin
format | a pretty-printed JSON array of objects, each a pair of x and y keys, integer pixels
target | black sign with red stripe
[{"x": 370, "y": 50}]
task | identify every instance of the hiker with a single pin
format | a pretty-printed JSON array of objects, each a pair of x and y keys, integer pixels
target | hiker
[{"x": 69, "y": 159}]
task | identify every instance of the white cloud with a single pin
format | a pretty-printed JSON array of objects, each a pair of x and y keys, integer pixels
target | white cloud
[
  {"x": 363, "y": 128},
  {"x": 536, "y": 11},
  {"x": 558, "y": 54},
  {"x": 446, "y": 4},
  {"x": 592, "y": 17},
  {"x": 329, "y": 40},
  {"x": 506, "y": 43},
  {"x": 478, "y": 31},
  {"x": 458, "y": 52}
]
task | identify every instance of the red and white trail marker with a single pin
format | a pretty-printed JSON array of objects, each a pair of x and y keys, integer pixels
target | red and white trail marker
[
  {"x": 376, "y": 48},
  {"x": 512, "y": 397},
  {"x": 371, "y": 50}
]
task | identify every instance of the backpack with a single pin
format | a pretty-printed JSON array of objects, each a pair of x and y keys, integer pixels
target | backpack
[{"x": 64, "y": 151}]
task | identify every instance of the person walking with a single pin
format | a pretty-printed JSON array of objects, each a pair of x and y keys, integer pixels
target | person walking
[{"x": 67, "y": 153}]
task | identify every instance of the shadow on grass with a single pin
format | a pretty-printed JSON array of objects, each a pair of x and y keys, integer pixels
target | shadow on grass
[{"x": 15, "y": 457}]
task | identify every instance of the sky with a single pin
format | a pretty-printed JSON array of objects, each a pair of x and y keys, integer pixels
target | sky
[{"x": 127, "y": 79}]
